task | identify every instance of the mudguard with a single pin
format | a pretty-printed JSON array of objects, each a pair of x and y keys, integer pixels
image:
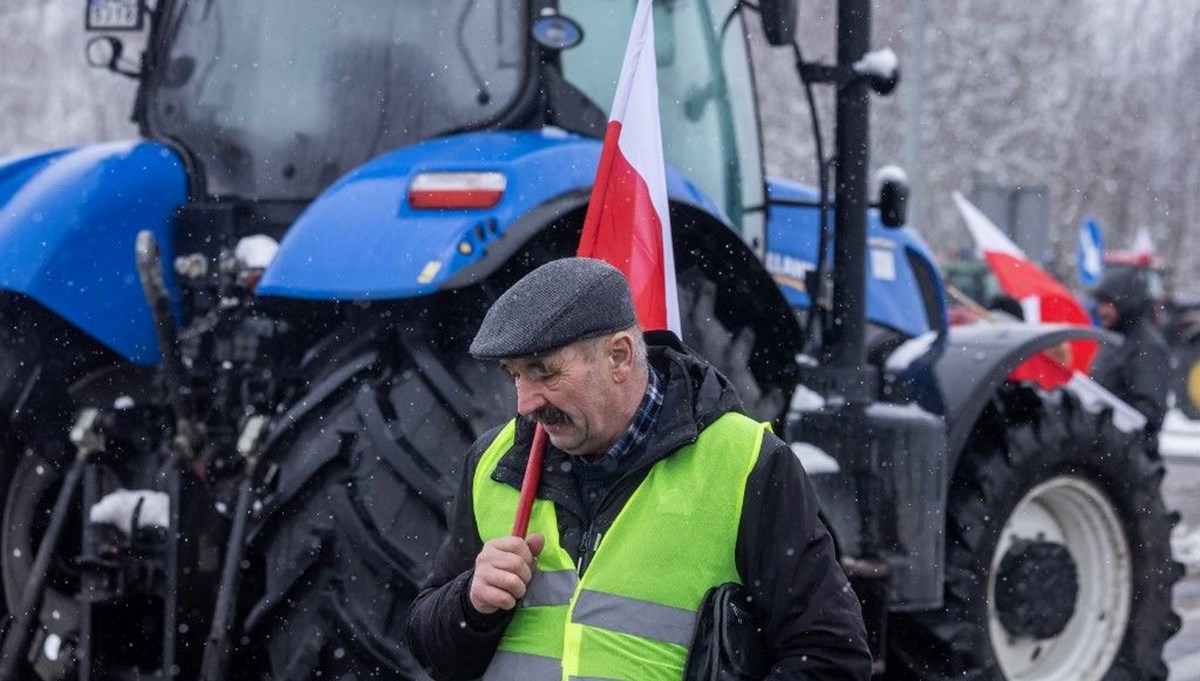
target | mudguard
[
  {"x": 978, "y": 358},
  {"x": 361, "y": 239},
  {"x": 904, "y": 291},
  {"x": 68, "y": 222}
]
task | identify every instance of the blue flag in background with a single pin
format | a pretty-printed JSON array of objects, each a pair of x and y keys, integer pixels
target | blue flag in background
[{"x": 1090, "y": 263}]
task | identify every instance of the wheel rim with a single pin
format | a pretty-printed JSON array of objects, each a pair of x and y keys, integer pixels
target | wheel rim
[{"x": 1074, "y": 513}]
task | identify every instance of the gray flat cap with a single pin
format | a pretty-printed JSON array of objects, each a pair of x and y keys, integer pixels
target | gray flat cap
[{"x": 557, "y": 304}]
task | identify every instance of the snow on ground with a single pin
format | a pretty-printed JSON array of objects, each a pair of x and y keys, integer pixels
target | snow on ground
[
  {"x": 1180, "y": 437},
  {"x": 1185, "y": 545}
]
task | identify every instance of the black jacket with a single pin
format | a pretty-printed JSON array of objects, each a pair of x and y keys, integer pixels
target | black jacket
[
  {"x": 1138, "y": 370},
  {"x": 810, "y": 617}
]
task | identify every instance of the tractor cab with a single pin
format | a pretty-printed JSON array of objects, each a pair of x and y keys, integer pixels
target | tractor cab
[{"x": 273, "y": 101}]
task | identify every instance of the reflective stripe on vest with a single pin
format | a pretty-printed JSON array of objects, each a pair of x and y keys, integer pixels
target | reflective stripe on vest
[
  {"x": 633, "y": 614},
  {"x": 508, "y": 665},
  {"x": 550, "y": 588}
]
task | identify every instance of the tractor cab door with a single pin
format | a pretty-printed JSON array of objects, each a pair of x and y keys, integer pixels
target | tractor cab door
[{"x": 705, "y": 90}]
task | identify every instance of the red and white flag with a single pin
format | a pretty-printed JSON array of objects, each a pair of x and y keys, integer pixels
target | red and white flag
[
  {"x": 627, "y": 222},
  {"x": 1042, "y": 297},
  {"x": 1143, "y": 248}
]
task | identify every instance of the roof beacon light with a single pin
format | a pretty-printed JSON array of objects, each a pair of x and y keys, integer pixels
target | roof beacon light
[{"x": 457, "y": 190}]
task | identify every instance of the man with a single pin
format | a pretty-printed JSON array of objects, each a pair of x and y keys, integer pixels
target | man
[
  {"x": 1137, "y": 370},
  {"x": 654, "y": 489}
]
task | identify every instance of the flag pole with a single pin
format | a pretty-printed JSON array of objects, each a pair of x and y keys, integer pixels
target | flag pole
[
  {"x": 597, "y": 239},
  {"x": 529, "y": 485}
]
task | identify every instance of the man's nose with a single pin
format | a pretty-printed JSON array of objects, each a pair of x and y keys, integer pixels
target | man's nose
[{"x": 529, "y": 397}]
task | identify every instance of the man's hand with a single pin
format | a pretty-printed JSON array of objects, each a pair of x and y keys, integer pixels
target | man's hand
[{"x": 502, "y": 571}]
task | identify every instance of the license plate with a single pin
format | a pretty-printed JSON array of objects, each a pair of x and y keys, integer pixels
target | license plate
[{"x": 114, "y": 15}]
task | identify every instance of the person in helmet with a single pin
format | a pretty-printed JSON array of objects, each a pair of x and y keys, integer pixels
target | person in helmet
[{"x": 1137, "y": 370}]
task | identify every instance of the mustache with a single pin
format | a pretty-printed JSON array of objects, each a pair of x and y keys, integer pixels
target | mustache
[{"x": 550, "y": 416}]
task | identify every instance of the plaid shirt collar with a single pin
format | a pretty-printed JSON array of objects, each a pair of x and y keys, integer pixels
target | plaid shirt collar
[
  {"x": 643, "y": 419},
  {"x": 639, "y": 427}
]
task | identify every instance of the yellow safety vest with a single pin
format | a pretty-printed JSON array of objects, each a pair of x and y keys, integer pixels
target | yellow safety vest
[{"x": 633, "y": 613}]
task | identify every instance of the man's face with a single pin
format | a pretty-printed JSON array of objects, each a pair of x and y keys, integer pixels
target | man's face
[
  {"x": 1108, "y": 314},
  {"x": 571, "y": 391}
]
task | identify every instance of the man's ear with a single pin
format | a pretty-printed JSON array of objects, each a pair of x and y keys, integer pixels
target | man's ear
[{"x": 620, "y": 355}]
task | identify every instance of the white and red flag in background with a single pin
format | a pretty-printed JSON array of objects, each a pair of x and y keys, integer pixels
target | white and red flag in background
[
  {"x": 627, "y": 222},
  {"x": 1143, "y": 248},
  {"x": 1043, "y": 298}
]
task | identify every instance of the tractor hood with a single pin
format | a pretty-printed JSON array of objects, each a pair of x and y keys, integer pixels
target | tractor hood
[
  {"x": 901, "y": 270},
  {"x": 363, "y": 239}
]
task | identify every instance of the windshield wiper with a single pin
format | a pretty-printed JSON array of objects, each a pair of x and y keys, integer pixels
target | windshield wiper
[{"x": 483, "y": 96}]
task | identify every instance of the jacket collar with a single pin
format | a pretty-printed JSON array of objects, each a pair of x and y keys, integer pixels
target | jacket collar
[{"x": 695, "y": 395}]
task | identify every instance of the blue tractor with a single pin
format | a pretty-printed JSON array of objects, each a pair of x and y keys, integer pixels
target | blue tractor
[{"x": 234, "y": 386}]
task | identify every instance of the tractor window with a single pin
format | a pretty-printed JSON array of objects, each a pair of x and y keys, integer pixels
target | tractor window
[
  {"x": 277, "y": 98},
  {"x": 739, "y": 79},
  {"x": 704, "y": 129}
]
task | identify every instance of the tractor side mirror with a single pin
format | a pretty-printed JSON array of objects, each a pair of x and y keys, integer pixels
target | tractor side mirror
[
  {"x": 779, "y": 21},
  {"x": 893, "y": 196},
  {"x": 104, "y": 52}
]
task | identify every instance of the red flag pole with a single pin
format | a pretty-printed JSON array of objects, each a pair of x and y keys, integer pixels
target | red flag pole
[
  {"x": 641, "y": 37},
  {"x": 529, "y": 485}
]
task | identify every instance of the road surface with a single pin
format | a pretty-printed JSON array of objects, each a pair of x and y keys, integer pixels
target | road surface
[{"x": 1180, "y": 445}]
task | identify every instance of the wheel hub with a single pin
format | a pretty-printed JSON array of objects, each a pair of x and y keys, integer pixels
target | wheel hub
[{"x": 1036, "y": 589}]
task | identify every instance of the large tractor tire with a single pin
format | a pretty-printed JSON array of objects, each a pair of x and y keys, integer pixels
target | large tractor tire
[
  {"x": 729, "y": 349},
  {"x": 1058, "y": 562},
  {"x": 46, "y": 375},
  {"x": 359, "y": 508},
  {"x": 1187, "y": 379},
  {"x": 30, "y": 484},
  {"x": 366, "y": 477}
]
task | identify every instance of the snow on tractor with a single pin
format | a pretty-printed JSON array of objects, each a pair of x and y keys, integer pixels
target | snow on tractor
[{"x": 235, "y": 391}]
